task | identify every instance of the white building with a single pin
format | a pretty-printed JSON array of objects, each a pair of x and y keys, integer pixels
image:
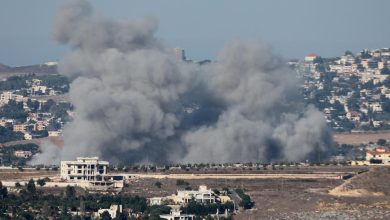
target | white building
[
  {"x": 23, "y": 154},
  {"x": 113, "y": 210},
  {"x": 311, "y": 57},
  {"x": 179, "y": 54},
  {"x": 89, "y": 172},
  {"x": 5, "y": 97},
  {"x": 176, "y": 215},
  {"x": 156, "y": 201},
  {"x": 202, "y": 195},
  {"x": 84, "y": 168}
]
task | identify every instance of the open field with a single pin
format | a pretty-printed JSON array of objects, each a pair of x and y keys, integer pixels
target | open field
[{"x": 360, "y": 138}]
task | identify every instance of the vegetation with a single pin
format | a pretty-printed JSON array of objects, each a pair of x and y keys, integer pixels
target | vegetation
[
  {"x": 8, "y": 153},
  {"x": 182, "y": 183},
  {"x": 7, "y": 135},
  {"x": 31, "y": 203},
  {"x": 13, "y": 83},
  {"x": 158, "y": 184},
  {"x": 56, "y": 82},
  {"x": 41, "y": 182},
  {"x": 13, "y": 110},
  {"x": 200, "y": 209},
  {"x": 246, "y": 201}
]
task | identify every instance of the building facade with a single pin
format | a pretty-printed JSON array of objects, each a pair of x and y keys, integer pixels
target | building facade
[
  {"x": 202, "y": 195},
  {"x": 84, "y": 169},
  {"x": 378, "y": 156}
]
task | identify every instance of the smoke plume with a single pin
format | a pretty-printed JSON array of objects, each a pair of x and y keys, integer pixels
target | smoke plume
[{"x": 135, "y": 102}]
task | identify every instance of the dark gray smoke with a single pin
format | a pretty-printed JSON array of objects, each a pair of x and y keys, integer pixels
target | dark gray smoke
[{"x": 135, "y": 102}]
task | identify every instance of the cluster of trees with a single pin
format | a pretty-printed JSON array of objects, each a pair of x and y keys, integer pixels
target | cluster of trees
[
  {"x": 7, "y": 134},
  {"x": 246, "y": 201},
  {"x": 203, "y": 210},
  {"x": 32, "y": 203},
  {"x": 9, "y": 157},
  {"x": 13, "y": 83},
  {"x": 181, "y": 182},
  {"x": 57, "y": 82},
  {"x": 58, "y": 110},
  {"x": 13, "y": 110}
]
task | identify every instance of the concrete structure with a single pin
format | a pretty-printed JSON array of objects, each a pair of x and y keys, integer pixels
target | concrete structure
[
  {"x": 176, "y": 215},
  {"x": 113, "y": 210},
  {"x": 224, "y": 199},
  {"x": 19, "y": 127},
  {"x": 23, "y": 154},
  {"x": 90, "y": 172},
  {"x": 84, "y": 168},
  {"x": 156, "y": 201},
  {"x": 379, "y": 156},
  {"x": 179, "y": 54},
  {"x": 311, "y": 57},
  {"x": 202, "y": 195}
]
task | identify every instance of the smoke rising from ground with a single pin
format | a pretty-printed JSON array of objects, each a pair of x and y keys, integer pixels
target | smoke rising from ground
[{"x": 135, "y": 102}]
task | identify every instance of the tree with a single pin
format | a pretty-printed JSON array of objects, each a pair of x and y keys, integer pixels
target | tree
[
  {"x": 158, "y": 184},
  {"x": 31, "y": 187},
  {"x": 181, "y": 183},
  {"x": 70, "y": 192},
  {"x": 41, "y": 182},
  {"x": 385, "y": 71},
  {"x": 348, "y": 53},
  {"x": 105, "y": 216},
  {"x": 246, "y": 201},
  {"x": 3, "y": 191},
  {"x": 381, "y": 142}
]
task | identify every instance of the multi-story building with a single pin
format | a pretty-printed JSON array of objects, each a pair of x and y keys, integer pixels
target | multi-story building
[
  {"x": 179, "y": 54},
  {"x": 202, "y": 195},
  {"x": 90, "y": 172},
  {"x": 84, "y": 169},
  {"x": 378, "y": 156},
  {"x": 19, "y": 127}
]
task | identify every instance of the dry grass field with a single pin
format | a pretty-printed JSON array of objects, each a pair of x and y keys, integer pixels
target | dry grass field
[{"x": 360, "y": 138}]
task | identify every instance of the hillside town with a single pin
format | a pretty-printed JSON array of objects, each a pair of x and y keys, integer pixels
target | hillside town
[{"x": 352, "y": 90}]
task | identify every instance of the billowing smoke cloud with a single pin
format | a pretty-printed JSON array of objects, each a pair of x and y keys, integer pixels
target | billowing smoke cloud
[{"x": 135, "y": 102}]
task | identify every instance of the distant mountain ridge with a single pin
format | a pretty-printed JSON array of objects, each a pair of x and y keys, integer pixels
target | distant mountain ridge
[
  {"x": 48, "y": 68},
  {"x": 3, "y": 67}
]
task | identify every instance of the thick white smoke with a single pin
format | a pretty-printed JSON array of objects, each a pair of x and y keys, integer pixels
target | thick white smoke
[{"x": 135, "y": 102}]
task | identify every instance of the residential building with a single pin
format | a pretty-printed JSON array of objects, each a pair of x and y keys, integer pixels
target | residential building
[
  {"x": 176, "y": 215},
  {"x": 90, "y": 172},
  {"x": 23, "y": 154},
  {"x": 202, "y": 195},
  {"x": 311, "y": 57},
  {"x": 113, "y": 210},
  {"x": 179, "y": 54},
  {"x": 19, "y": 127},
  {"x": 84, "y": 169},
  {"x": 379, "y": 156}
]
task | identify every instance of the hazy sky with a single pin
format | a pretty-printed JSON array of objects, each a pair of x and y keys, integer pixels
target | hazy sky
[{"x": 294, "y": 27}]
